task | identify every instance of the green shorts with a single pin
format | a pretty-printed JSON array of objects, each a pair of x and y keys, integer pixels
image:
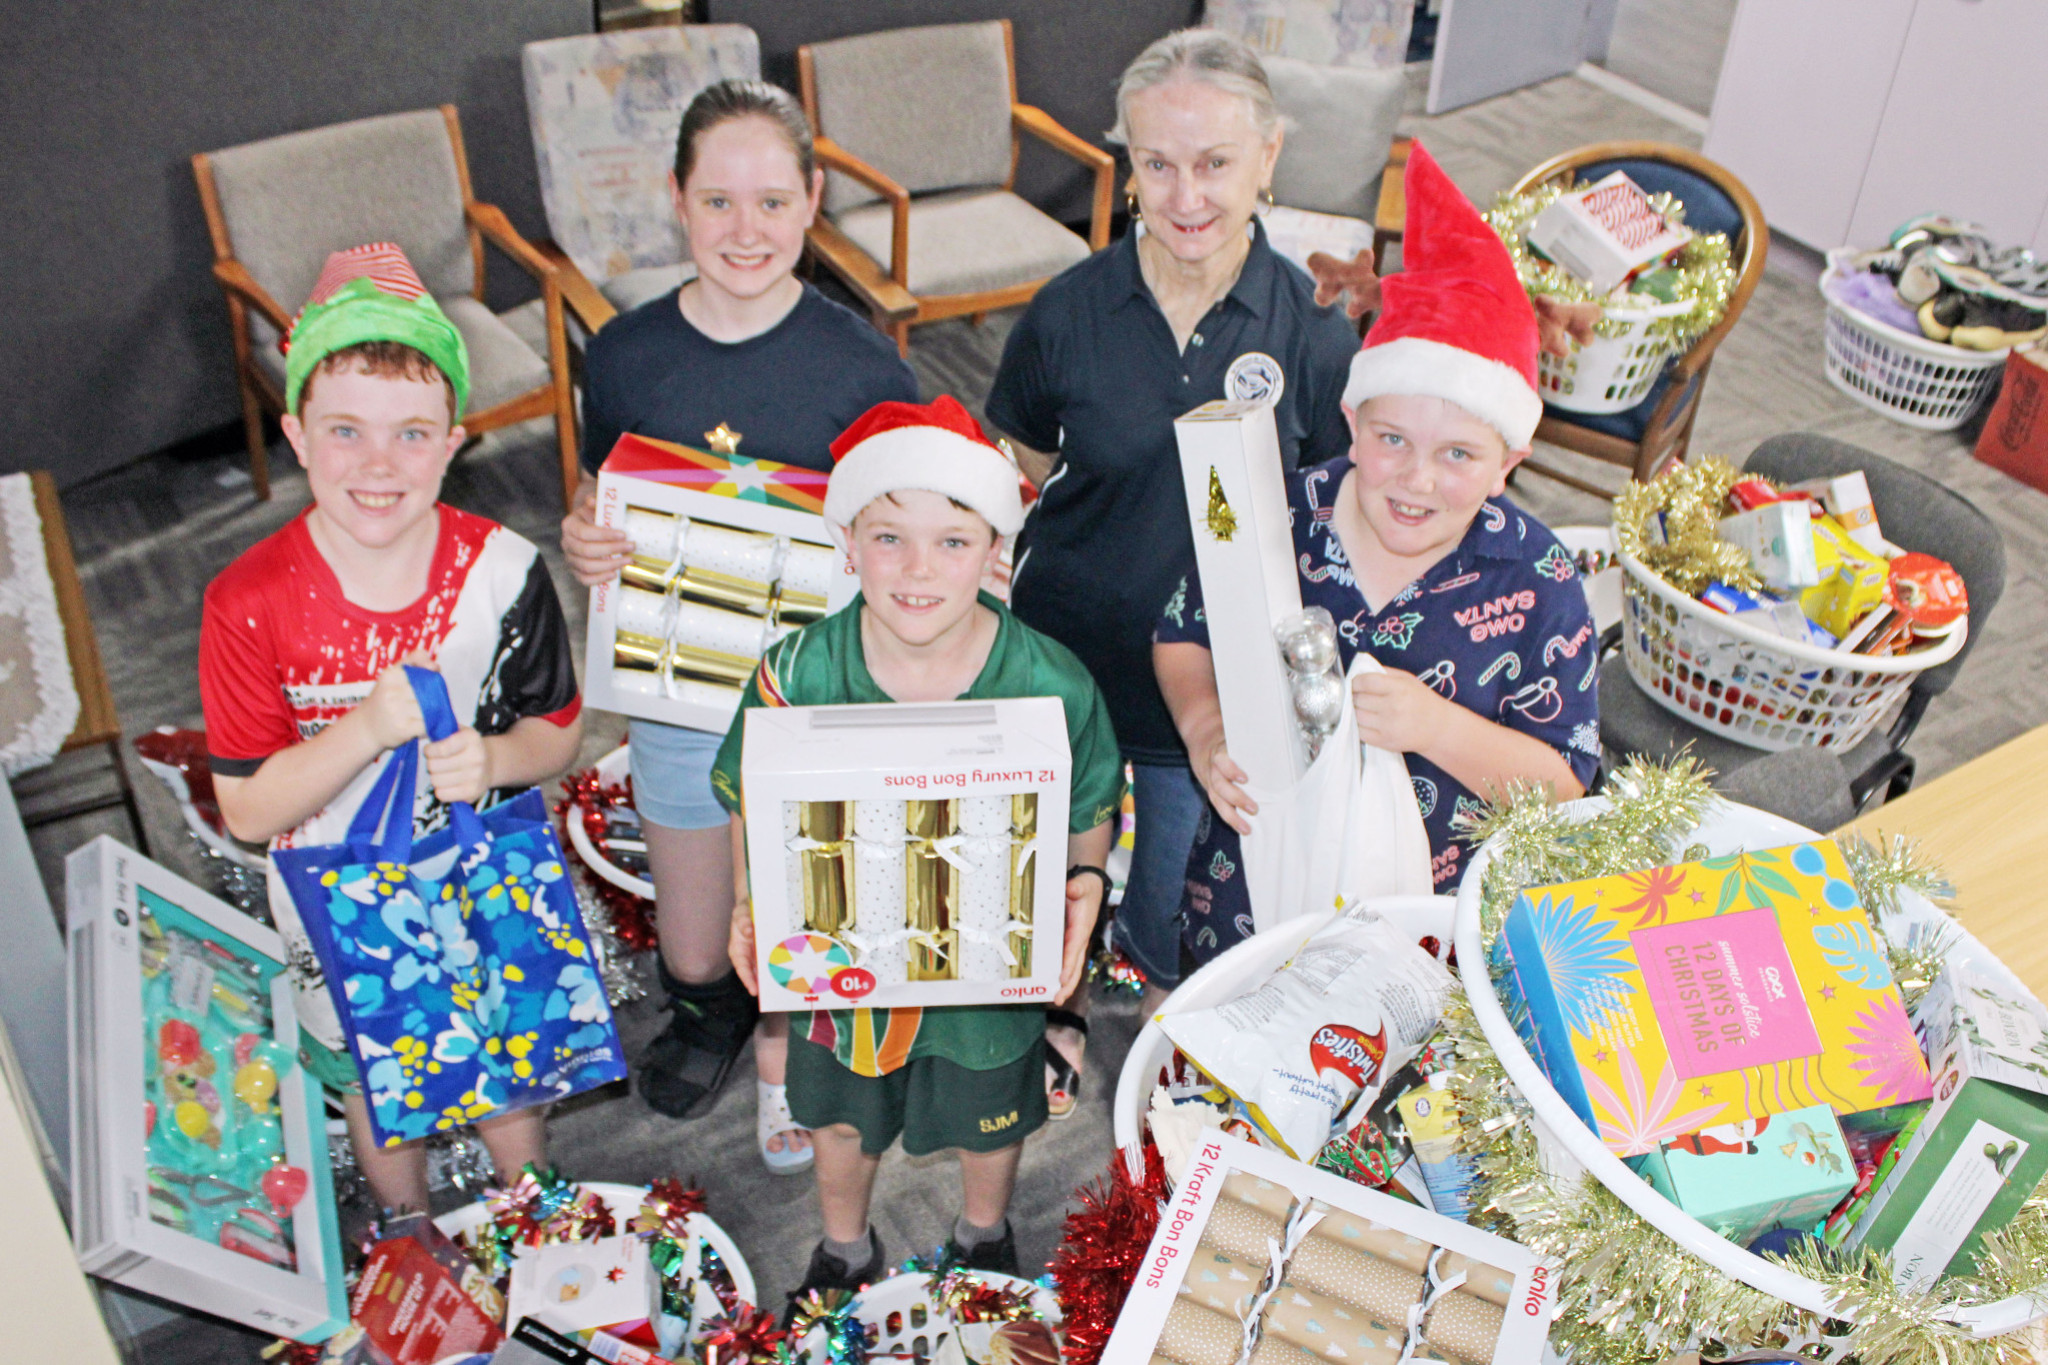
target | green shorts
[{"x": 930, "y": 1102}]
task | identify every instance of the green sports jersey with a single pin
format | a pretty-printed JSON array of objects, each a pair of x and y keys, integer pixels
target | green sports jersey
[{"x": 823, "y": 665}]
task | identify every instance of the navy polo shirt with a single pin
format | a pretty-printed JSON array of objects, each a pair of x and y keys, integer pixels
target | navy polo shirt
[
  {"x": 1500, "y": 626},
  {"x": 1091, "y": 371},
  {"x": 788, "y": 392}
]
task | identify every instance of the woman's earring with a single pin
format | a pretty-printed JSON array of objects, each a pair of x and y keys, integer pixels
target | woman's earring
[
  {"x": 1267, "y": 202},
  {"x": 1131, "y": 204}
]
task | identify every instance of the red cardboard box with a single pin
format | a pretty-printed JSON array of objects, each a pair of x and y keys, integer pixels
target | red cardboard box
[
  {"x": 2015, "y": 436},
  {"x": 414, "y": 1310}
]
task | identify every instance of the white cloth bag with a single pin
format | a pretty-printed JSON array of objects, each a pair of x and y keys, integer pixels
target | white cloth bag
[{"x": 1348, "y": 829}]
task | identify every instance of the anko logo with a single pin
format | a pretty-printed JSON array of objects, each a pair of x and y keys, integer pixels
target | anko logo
[{"x": 1351, "y": 1053}]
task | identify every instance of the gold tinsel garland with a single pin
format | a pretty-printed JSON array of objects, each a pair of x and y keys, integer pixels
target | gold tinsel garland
[
  {"x": 1705, "y": 277},
  {"x": 1628, "y": 1294},
  {"x": 1686, "y": 501}
]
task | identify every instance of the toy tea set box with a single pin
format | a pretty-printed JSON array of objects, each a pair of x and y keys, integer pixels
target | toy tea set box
[
  {"x": 907, "y": 854},
  {"x": 729, "y": 555},
  {"x": 1260, "y": 1257},
  {"x": 199, "y": 1148},
  {"x": 1976, "y": 1155},
  {"x": 1713, "y": 993}
]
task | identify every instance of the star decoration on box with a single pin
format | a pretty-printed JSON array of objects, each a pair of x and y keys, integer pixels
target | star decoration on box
[
  {"x": 1706, "y": 1092},
  {"x": 723, "y": 439},
  {"x": 615, "y": 1274}
]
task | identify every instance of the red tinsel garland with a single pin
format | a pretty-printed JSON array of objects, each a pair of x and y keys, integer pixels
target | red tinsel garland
[
  {"x": 1103, "y": 1247},
  {"x": 589, "y": 798}
]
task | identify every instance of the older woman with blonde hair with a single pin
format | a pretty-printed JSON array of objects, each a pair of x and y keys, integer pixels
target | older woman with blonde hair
[{"x": 1191, "y": 305}]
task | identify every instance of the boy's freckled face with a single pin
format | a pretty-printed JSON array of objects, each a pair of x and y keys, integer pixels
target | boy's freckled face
[
  {"x": 1423, "y": 468},
  {"x": 921, "y": 561},
  {"x": 374, "y": 448}
]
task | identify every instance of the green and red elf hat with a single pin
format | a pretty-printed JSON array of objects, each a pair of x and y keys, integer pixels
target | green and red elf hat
[{"x": 372, "y": 293}]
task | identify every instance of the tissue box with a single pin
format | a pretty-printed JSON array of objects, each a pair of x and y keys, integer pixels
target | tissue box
[
  {"x": 731, "y": 555},
  {"x": 1982, "y": 1146},
  {"x": 1605, "y": 233},
  {"x": 1244, "y": 548},
  {"x": 1679, "y": 998},
  {"x": 1742, "y": 1179},
  {"x": 907, "y": 854},
  {"x": 414, "y": 1311},
  {"x": 176, "y": 1212},
  {"x": 571, "y": 1286},
  {"x": 1357, "y": 1280}
]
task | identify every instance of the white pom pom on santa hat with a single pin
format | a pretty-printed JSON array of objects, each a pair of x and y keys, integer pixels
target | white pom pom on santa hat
[
  {"x": 1455, "y": 322},
  {"x": 937, "y": 447}
]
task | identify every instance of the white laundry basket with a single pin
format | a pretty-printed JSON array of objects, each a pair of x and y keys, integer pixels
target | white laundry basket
[
  {"x": 1905, "y": 376},
  {"x": 1610, "y": 374},
  {"x": 1752, "y": 686}
]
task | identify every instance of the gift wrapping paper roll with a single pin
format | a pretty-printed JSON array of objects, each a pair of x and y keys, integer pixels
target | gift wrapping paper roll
[
  {"x": 879, "y": 888},
  {"x": 1482, "y": 1281},
  {"x": 1332, "y": 1329},
  {"x": 1216, "y": 1279},
  {"x": 1465, "y": 1327},
  {"x": 931, "y": 892},
  {"x": 654, "y": 534},
  {"x": 642, "y": 612},
  {"x": 1273, "y": 1351},
  {"x": 1242, "y": 1231},
  {"x": 719, "y": 631},
  {"x": 1193, "y": 1335},
  {"x": 1379, "y": 1287},
  {"x": 1261, "y": 1194},
  {"x": 810, "y": 568},
  {"x": 1375, "y": 1239},
  {"x": 752, "y": 555}
]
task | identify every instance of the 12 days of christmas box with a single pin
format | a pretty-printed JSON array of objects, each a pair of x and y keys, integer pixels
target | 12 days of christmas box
[
  {"x": 907, "y": 854},
  {"x": 1679, "y": 998},
  {"x": 729, "y": 555}
]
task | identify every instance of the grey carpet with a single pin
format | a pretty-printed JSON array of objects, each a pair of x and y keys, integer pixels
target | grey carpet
[{"x": 150, "y": 537}]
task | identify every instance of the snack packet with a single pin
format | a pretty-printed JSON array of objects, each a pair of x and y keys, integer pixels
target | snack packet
[{"x": 1317, "y": 1041}]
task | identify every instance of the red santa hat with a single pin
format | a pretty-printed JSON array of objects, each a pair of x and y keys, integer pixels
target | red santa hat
[
  {"x": 1455, "y": 322},
  {"x": 936, "y": 446}
]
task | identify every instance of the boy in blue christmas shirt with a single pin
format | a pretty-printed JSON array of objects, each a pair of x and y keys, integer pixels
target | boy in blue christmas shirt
[{"x": 1470, "y": 605}]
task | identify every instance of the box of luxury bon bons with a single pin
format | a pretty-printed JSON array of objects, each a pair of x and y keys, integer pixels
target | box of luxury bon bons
[
  {"x": 729, "y": 555},
  {"x": 1260, "y": 1257},
  {"x": 907, "y": 854}
]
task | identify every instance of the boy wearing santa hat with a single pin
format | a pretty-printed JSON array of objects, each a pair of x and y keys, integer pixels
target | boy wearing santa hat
[
  {"x": 1469, "y": 604},
  {"x": 920, "y": 500}
]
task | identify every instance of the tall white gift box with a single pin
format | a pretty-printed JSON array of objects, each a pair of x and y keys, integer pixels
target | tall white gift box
[
  {"x": 904, "y": 855},
  {"x": 1244, "y": 549},
  {"x": 729, "y": 555},
  {"x": 160, "y": 972}
]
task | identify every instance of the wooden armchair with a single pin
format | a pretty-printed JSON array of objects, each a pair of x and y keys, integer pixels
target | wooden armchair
[
  {"x": 277, "y": 208},
  {"x": 918, "y": 130},
  {"x": 1656, "y": 431}
]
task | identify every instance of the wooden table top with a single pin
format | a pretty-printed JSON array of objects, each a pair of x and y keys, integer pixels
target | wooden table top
[{"x": 1986, "y": 823}]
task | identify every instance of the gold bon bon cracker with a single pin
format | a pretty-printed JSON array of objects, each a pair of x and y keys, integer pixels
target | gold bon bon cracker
[
  {"x": 715, "y": 589},
  {"x": 931, "y": 895},
  {"x": 827, "y": 871},
  {"x": 1193, "y": 1335},
  {"x": 1024, "y": 878},
  {"x": 1464, "y": 1327}
]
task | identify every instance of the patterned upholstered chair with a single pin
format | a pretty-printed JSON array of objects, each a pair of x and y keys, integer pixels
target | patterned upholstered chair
[
  {"x": 918, "y": 129},
  {"x": 277, "y": 208},
  {"x": 604, "y": 109}
]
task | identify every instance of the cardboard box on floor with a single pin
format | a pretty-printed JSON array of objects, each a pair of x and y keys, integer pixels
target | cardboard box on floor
[
  {"x": 907, "y": 854},
  {"x": 123, "y": 1203},
  {"x": 1530, "y": 1295},
  {"x": 735, "y": 555}
]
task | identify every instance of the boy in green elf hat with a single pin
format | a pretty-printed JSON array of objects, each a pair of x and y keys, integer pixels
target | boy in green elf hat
[{"x": 303, "y": 637}]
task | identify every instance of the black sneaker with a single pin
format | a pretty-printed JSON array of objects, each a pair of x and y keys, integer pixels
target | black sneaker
[
  {"x": 829, "y": 1272},
  {"x": 708, "y": 1028},
  {"x": 999, "y": 1256}
]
